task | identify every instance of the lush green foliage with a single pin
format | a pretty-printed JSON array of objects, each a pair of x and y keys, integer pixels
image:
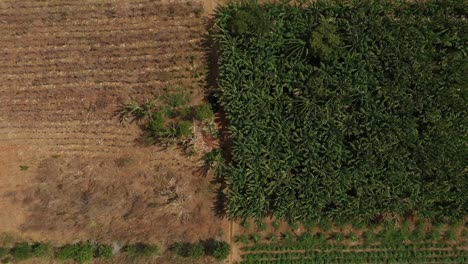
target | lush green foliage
[
  {"x": 42, "y": 250},
  {"x": 347, "y": 109},
  {"x": 22, "y": 251},
  {"x": 203, "y": 112},
  {"x": 218, "y": 249},
  {"x": 423, "y": 253},
  {"x": 103, "y": 251},
  {"x": 141, "y": 250},
  {"x": 4, "y": 251},
  {"x": 81, "y": 252}
]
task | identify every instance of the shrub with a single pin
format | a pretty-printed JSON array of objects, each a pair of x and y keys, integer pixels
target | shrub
[
  {"x": 324, "y": 40},
  {"x": 337, "y": 237},
  {"x": 293, "y": 225},
  {"x": 325, "y": 225},
  {"x": 369, "y": 237},
  {"x": 22, "y": 251},
  {"x": 353, "y": 237},
  {"x": 4, "y": 251},
  {"x": 183, "y": 129},
  {"x": 417, "y": 235},
  {"x": 261, "y": 226},
  {"x": 42, "y": 250},
  {"x": 81, "y": 252},
  {"x": 255, "y": 238},
  {"x": 271, "y": 237},
  {"x": 24, "y": 167},
  {"x": 176, "y": 100},
  {"x": 203, "y": 112},
  {"x": 287, "y": 237},
  {"x": 250, "y": 20},
  {"x": 103, "y": 251},
  {"x": 196, "y": 251},
  {"x": 188, "y": 250},
  {"x": 450, "y": 235},
  {"x": 245, "y": 224},
  {"x": 141, "y": 250},
  {"x": 434, "y": 235},
  {"x": 186, "y": 113},
  {"x": 306, "y": 238},
  {"x": 156, "y": 124},
  {"x": 218, "y": 249},
  {"x": 275, "y": 225},
  {"x": 241, "y": 239}
]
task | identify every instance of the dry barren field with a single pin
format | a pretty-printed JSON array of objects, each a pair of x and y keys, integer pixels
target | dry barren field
[{"x": 65, "y": 69}]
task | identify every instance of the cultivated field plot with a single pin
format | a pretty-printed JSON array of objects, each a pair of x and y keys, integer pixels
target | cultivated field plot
[
  {"x": 65, "y": 69},
  {"x": 427, "y": 253}
]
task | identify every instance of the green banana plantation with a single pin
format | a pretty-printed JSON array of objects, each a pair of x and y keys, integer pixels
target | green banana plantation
[{"x": 345, "y": 110}]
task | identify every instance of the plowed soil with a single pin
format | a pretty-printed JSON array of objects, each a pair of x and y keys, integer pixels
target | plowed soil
[{"x": 65, "y": 69}]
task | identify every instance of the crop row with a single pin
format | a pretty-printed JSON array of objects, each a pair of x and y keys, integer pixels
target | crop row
[{"x": 360, "y": 257}]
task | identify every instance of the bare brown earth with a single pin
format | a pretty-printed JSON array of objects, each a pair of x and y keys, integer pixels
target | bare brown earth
[{"x": 65, "y": 69}]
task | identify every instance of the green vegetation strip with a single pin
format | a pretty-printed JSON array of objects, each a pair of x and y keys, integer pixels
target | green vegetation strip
[
  {"x": 404, "y": 255},
  {"x": 345, "y": 109},
  {"x": 81, "y": 252}
]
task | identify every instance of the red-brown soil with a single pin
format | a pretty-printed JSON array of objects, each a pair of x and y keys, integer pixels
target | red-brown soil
[{"x": 65, "y": 69}]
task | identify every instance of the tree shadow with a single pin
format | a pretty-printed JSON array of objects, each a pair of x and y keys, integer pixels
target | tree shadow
[{"x": 211, "y": 93}]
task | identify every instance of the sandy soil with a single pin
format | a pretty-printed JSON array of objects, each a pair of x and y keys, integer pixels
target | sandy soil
[{"x": 66, "y": 68}]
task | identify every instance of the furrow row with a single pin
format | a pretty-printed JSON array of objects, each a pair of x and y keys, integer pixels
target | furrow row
[
  {"x": 108, "y": 86},
  {"x": 65, "y": 51},
  {"x": 178, "y": 79},
  {"x": 185, "y": 59},
  {"x": 104, "y": 25},
  {"x": 122, "y": 31},
  {"x": 98, "y": 40}
]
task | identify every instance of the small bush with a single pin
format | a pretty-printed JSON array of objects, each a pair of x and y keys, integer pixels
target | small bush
[
  {"x": 176, "y": 100},
  {"x": 450, "y": 235},
  {"x": 434, "y": 235},
  {"x": 369, "y": 237},
  {"x": 255, "y": 238},
  {"x": 261, "y": 226},
  {"x": 358, "y": 224},
  {"x": 22, "y": 251},
  {"x": 103, "y": 251},
  {"x": 271, "y": 237},
  {"x": 141, "y": 250},
  {"x": 42, "y": 250},
  {"x": 203, "y": 112},
  {"x": 250, "y": 20},
  {"x": 24, "y": 167},
  {"x": 186, "y": 113},
  {"x": 81, "y": 252},
  {"x": 287, "y": 237},
  {"x": 189, "y": 250},
  {"x": 325, "y": 225},
  {"x": 337, "y": 237},
  {"x": 353, "y": 237},
  {"x": 320, "y": 237},
  {"x": 293, "y": 225},
  {"x": 156, "y": 124},
  {"x": 183, "y": 129},
  {"x": 241, "y": 239},
  {"x": 306, "y": 238},
  {"x": 220, "y": 250},
  {"x": 245, "y": 224},
  {"x": 275, "y": 225},
  {"x": 4, "y": 252},
  {"x": 417, "y": 235},
  {"x": 324, "y": 40}
]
